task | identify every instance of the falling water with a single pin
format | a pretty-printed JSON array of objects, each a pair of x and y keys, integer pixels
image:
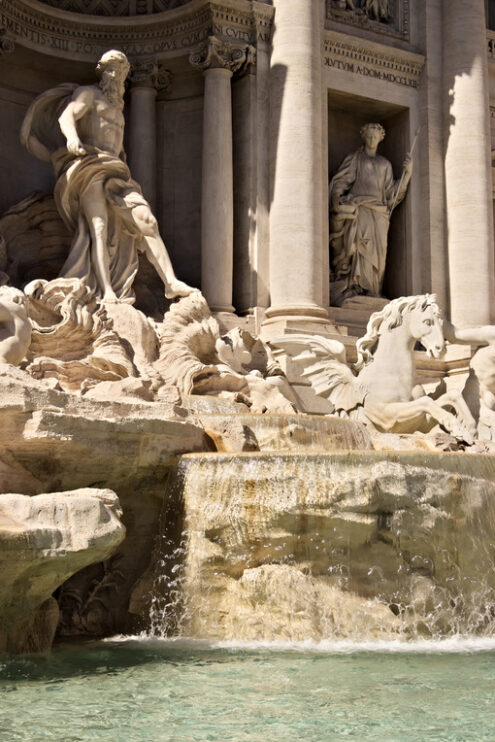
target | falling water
[{"x": 313, "y": 546}]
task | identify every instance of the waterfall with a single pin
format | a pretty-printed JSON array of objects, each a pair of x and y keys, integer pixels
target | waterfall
[{"x": 312, "y": 545}]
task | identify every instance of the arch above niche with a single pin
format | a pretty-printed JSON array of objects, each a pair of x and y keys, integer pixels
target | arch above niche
[
  {"x": 176, "y": 33},
  {"x": 115, "y": 8}
]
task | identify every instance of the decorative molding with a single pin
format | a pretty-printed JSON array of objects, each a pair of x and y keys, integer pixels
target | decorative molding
[
  {"x": 221, "y": 54},
  {"x": 175, "y": 33},
  {"x": 352, "y": 54},
  {"x": 7, "y": 46},
  {"x": 116, "y": 8},
  {"x": 151, "y": 73},
  {"x": 389, "y": 17},
  {"x": 163, "y": 80},
  {"x": 144, "y": 73}
]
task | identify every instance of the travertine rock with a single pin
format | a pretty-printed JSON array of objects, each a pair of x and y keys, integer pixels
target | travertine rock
[
  {"x": 36, "y": 240},
  {"x": 230, "y": 435},
  {"x": 52, "y": 441},
  {"x": 359, "y": 544},
  {"x": 43, "y": 541}
]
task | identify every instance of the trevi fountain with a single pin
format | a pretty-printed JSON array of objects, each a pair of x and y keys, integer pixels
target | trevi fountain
[{"x": 247, "y": 370}]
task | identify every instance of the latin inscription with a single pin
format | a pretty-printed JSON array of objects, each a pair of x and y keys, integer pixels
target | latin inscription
[
  {"x": 161, "y": 45},
  {"x": 361, "y": 69}
]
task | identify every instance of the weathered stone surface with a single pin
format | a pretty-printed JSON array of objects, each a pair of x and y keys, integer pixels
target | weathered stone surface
[
  {"x": 296, "y": 432},
  {"x": 51, "y": 441},
  {"x": 43, "y": 541},
  {"x": 230, "y": 435},
  {"x": 359, "y": 544}
]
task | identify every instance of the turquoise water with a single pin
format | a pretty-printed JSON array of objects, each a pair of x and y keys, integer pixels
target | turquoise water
[{"x": 132, "y": 690}]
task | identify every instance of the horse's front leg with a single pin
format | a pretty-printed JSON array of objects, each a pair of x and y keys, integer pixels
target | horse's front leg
[
  {"x": 457, "y": 401},
  {"x": 409, "y": 416}
]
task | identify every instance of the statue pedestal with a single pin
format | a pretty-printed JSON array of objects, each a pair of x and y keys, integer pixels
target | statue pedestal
[{"x": 354, "y": 313}]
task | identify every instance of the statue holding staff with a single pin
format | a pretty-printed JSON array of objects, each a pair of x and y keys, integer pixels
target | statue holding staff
[{"x": 362, "y": 196}]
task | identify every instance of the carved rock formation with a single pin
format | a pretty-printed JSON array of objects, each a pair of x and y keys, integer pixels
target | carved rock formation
[
  {"x": 52, "y": 441},
  {"x": 73, "y": 340},
  {"x": 197, "y": 359},
  {"x": 36, "y": 240},
  {"x": 43, "y": 541},
  {"x": 359, "y": 544}
]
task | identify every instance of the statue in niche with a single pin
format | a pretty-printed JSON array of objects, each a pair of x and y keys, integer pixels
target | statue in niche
[
  {"x": 79, "y": 129},
  {"x": 362, "y": 196}
]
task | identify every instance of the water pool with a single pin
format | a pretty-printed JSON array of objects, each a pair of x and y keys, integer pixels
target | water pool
[{"x": 132, "y": 690}]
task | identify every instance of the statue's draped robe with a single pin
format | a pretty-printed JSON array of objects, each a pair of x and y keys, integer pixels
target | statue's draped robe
[
  {"x": 359, "y": 226},
  {"x": 42, "y": 136}
]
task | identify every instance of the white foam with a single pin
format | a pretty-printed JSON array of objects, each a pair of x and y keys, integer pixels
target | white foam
[{"x": 447, "y": 645}]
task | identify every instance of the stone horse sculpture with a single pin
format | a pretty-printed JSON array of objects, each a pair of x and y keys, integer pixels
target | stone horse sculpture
[{"x": 380, "y": 391}]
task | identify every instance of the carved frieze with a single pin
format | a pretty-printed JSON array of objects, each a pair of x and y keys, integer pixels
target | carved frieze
[
  {"x": 390, "y": 17},
  {"x": 166, "y": 34},
  {"x": 372, "y": 60},
  {"x": 116, "y": 7}
]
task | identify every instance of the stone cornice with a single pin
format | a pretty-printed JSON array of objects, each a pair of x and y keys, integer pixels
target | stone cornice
[
  {"x": 172, "y": 33},
  {"x": 370, "y": 59}
]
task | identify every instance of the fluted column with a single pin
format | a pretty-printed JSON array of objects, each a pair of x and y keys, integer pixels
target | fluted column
[
  {"x": 468, "y": 185},
  {"x": 297, "y": 252},
  {"x": 218, "y": 61},
  {"x": 142, "y": 124}
]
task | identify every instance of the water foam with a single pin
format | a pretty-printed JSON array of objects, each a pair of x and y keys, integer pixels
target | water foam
[{"x": 450, "y": 645}]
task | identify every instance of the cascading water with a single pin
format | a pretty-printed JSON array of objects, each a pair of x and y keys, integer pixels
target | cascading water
[{"x": 318, "y": 546}]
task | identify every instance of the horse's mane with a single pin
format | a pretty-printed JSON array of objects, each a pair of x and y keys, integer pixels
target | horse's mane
[{"x": 386, "y": 319}]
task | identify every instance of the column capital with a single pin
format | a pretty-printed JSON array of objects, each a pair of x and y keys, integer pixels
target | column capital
[
  {"x": 163, "y": 80},
  {"x": 219, "y": 54},
  {"x": 7, "y": 46},
  {"x": 150, "y": 73}
]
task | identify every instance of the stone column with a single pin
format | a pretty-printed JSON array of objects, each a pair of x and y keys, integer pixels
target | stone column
[
  {"x": 218, "y": 61},
  {"x": 164, "y": 88},
  {"x": 142, "y": 125},
  {"x": 468, "y": 186},
  {"x": 297, "y": 249}
]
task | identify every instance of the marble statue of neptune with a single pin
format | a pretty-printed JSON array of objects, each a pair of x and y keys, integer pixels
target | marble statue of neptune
[
  {"x": 362, "y": 195},
  {"x": 80, "y": 130}
]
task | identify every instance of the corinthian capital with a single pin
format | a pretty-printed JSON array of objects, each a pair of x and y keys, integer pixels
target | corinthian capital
[
  {"x": 218, "y": 53},
  {"x": 6, "y": 45},
  {"x": 145, "y": 73}
]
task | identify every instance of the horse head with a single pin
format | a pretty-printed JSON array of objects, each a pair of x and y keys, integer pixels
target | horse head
[
  {"x": 426, "y": 326},
  {"x": 420, "y": 320}
]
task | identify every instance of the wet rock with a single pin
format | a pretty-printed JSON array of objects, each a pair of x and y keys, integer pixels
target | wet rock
[
  {"x": 287, "y": 546},
  {"x": 43, "y": 541}
]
